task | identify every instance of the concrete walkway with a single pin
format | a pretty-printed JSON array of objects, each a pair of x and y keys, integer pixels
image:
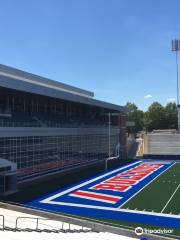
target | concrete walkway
[{"x": 10, "y": 221}]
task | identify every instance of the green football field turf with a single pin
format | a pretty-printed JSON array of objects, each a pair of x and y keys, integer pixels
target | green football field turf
[{"x": 162, "y": 195}]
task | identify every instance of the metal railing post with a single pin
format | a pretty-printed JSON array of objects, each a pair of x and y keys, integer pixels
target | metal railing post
[
  {"x": 3, "y": 222},
  {"x": 37, "y": 223}
]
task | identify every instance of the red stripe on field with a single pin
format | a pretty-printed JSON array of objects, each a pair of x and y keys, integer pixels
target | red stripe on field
[{"x": 97, "y": 196}]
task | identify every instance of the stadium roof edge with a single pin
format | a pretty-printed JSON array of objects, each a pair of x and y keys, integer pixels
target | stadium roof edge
[
  {"x": 23, "y": 81},
  {"x": 36, "y": 79}
]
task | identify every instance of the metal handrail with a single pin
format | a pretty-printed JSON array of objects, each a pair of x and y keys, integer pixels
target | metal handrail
[
  {"x": 19, "y": 207},
  {"x": 37, "y": 221},
  {"x": 37, "y": 226}
]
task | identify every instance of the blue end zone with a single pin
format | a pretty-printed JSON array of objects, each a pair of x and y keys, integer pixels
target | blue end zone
[{"x": 102, "y": 196}]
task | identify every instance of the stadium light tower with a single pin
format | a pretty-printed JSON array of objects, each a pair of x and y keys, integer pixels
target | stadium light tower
[{"x": 176, "y": 48}]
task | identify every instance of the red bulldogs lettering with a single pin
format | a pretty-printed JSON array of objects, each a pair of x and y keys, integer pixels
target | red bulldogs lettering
[{"x": 124, "y": 181}]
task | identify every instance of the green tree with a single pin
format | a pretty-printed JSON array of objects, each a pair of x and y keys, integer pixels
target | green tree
[
  {"x": 171, "y": 115},
  {"x": 155, "y": 117},
  {"x": 135, "y": 115}
]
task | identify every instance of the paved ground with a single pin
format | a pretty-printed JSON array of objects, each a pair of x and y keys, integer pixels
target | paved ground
[{"x": 28, "y": 221}]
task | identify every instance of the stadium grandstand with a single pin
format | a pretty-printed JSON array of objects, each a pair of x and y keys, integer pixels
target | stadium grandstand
[{"x": 47, "y": 127}]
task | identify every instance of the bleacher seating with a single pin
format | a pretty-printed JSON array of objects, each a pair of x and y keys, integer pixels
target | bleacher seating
[
  {"x": 162, "y": 144},
  {"x": 18, "y": 120},
  {"x": 47, "y": 120}
]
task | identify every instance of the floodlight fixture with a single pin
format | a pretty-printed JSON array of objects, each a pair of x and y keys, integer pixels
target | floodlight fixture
[{"x": 176, "y": 45}]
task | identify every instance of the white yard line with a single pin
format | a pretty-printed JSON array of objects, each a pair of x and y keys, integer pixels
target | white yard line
[
  {"x": 170, "y": 198},
  {"x": 146, "y": 185}
]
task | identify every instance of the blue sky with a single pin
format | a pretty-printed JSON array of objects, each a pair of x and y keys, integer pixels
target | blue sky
[{"x": 120, "y": 49}]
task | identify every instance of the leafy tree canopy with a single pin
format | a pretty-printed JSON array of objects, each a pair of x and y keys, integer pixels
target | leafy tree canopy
[{"x": 156, "y": 117}]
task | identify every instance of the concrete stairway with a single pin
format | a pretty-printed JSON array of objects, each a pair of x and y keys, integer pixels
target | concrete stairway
[{"x": 162, "y": 144}]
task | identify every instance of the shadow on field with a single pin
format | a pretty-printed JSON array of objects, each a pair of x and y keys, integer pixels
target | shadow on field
[{"x": 47, "y": 186}]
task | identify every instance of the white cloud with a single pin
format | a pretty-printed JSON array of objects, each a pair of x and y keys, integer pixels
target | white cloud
[
  {"x": 171, "y": 100},
  {"x": 148, "y": 96}
]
